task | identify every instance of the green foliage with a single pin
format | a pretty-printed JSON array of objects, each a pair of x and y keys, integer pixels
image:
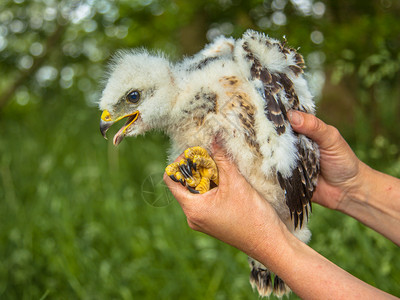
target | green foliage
[{"x": 82, "y": 219}]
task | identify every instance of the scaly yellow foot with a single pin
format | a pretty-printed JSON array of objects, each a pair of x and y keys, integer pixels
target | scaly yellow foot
[{"x": 196, "y": 171}]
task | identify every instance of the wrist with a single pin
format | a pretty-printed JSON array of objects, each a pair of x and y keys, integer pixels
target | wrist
[
  {"x": 356, "y": 190},
  {"x": 358, "y": 198},
  {"x": 278, "y": 242}
]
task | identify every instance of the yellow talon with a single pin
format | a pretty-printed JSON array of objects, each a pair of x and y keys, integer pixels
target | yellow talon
[
  {"x": 196, "y": 170},
  {"x": 204, "y": 185},
  {"x": 179, "y": 176}
]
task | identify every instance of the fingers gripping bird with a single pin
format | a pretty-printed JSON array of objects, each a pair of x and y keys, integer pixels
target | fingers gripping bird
[{"x": 239, "y": 90}]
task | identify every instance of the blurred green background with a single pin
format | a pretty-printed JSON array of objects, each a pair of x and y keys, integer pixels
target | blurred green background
[{"x": 81, "y": 219}]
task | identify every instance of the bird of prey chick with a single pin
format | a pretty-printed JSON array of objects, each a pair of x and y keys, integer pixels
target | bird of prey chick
[{"x": 239, "y": 91}]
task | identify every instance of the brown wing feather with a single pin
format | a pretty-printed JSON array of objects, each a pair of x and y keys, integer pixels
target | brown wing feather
[{"x": 300, "y": 185}]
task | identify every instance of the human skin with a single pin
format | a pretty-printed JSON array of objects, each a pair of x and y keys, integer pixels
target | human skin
[
  {"x": 236, "y": 214},
  {"x": 349, "y": 185}
]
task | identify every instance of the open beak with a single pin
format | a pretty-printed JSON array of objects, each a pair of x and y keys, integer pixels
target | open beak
[{"x": 106, "y": 122}]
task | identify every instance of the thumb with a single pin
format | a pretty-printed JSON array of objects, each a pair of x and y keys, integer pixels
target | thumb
[
  {"x": 324, "y": 135},
  {"x": 218, "y": 152},
  {"x": 226, "y": 166},
  {"x": 219, "y": 155}
]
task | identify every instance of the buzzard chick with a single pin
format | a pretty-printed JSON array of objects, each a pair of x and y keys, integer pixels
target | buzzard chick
[{"x": 239, "y": 90}]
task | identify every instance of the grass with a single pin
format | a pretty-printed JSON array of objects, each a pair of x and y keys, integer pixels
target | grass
[{"x": 75, "y": 223}]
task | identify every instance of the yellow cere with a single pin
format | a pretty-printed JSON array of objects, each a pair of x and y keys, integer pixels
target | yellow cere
[{"x": 106, "y": 116}]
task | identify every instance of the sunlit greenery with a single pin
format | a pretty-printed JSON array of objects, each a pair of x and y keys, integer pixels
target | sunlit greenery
[{"x": 81, "y": 219}]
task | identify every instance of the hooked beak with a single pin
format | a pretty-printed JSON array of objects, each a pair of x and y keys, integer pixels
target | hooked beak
[{"x": 106, "y": 122}]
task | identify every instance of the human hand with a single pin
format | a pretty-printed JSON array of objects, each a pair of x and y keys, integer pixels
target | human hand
[
  {"x": 233, "y": 212},
  {"x": 340, "y": 168}
]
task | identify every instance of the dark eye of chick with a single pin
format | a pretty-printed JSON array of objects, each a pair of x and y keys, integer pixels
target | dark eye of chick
[{"x": 133, "y": 97}]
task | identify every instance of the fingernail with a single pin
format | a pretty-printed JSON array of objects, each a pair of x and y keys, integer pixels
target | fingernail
[{"x": 295, "y": 118}]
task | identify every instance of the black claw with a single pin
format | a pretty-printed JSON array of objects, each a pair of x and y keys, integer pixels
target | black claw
[
  {"x": 173, "y": 178},
  {"x": 185, "y": 170},
  {"x": 194, "y": 166},
  {"x": 182, "y": 182},
  {"x": 189, "y": 169},
  {"x": 212, "y": 185},
  {"x": 192, "y": 190},
  {"x": 190, "y": 164}
]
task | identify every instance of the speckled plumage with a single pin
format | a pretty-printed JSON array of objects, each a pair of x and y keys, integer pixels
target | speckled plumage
[{"x": 239, "y": 90}]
